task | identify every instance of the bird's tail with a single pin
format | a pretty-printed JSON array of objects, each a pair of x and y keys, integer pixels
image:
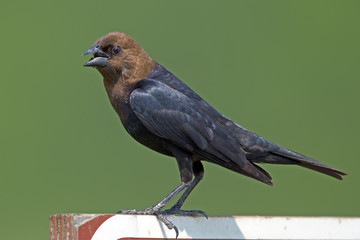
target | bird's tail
[{"x": 285, "y": 156}]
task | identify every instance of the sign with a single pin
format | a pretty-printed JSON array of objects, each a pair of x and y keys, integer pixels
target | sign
[{"x": 116, "y": 227}]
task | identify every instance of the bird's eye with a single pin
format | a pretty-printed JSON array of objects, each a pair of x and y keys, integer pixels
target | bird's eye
[{"x": 116, "y": 49}]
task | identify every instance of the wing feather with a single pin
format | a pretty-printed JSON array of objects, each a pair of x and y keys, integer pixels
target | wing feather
[{"x": 174, "y": 116}]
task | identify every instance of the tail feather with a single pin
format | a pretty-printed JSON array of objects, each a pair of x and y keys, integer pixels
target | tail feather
[
  {"x": 307, "y": 162},
  {"x": 331, "y": 172},
  {"x": 254, "y": 171}
]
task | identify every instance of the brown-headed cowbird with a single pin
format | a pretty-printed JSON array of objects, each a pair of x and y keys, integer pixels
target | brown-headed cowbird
[{"x": 164, "y": 114}]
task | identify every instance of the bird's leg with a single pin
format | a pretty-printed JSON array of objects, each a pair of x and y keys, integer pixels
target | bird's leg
[
  {"x": 157, "y": 207},
  {"x": 186, "y": 167},
  {"x": 155, "y": 210},
  {"x": 175, "y": 209}
]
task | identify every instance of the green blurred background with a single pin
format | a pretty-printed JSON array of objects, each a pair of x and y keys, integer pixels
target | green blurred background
[{"x": 287, "y": 70}]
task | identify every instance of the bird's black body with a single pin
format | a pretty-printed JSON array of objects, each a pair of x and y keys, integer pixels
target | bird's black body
[
  {"x": 161, "y": 112},
  {"x": 167, "y": 114}
]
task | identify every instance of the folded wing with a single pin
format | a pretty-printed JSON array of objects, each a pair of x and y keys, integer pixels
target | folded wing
[{"x": 172, "y": 115}]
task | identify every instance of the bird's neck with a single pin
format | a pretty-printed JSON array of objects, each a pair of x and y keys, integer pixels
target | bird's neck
[{"x": 120, "y": 87}]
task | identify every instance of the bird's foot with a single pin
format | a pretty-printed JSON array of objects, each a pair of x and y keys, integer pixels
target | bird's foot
[
  {"x": 147, "y": 211},
  {"x": 177, "y": 211},
  {"x": 167, "y": 223},
  {"x": 153, "y": 211}
]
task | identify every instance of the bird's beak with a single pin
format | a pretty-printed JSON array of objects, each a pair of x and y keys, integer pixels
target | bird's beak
[{"x": 100, "y": 58}]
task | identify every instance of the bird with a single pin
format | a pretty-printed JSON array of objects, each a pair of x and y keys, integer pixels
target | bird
[{"x": 161, "y": 112}]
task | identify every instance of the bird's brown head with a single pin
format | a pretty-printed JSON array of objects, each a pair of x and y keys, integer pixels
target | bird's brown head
[{"x": 118, "y": 56}]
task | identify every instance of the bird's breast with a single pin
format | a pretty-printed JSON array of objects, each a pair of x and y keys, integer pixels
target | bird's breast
[
  {"x": 119, "y": 98},
  {"x": 140, "y": 133}
]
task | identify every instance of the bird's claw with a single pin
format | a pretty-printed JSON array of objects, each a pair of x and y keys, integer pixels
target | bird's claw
[
  {"x": 168, "y": 223},
  {"x": 178, "y": 211},
  {"x": 131, "y": 211},
  {"x": 175, "y": 210},
  {"x": 147, "y": 211},
  {"x": 151, "y": 211}
]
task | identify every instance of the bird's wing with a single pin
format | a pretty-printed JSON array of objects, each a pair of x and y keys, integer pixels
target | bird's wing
[{"x": 174, "y": 116}]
